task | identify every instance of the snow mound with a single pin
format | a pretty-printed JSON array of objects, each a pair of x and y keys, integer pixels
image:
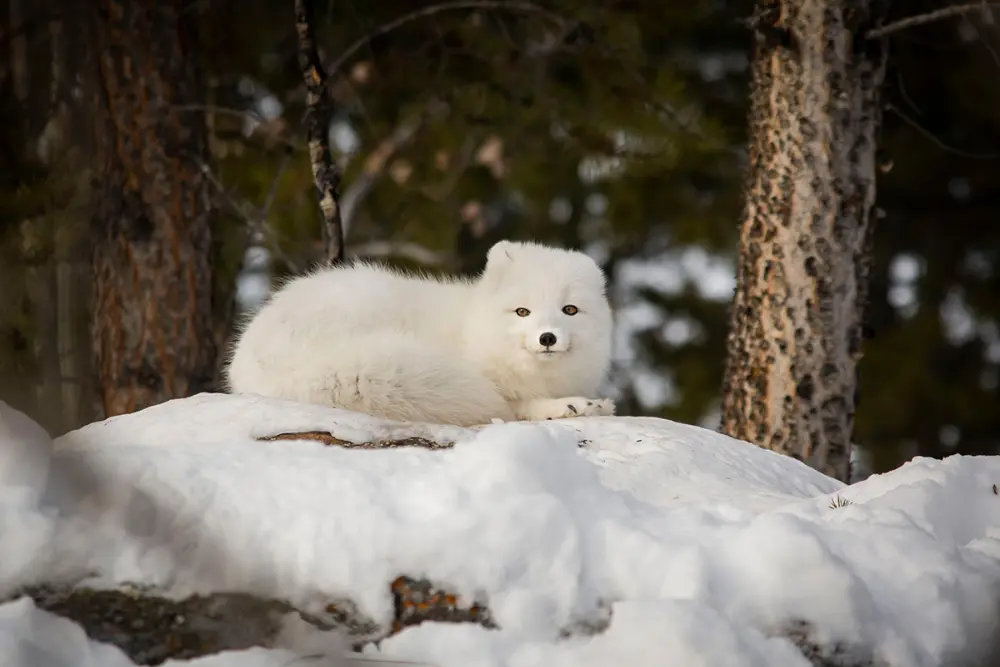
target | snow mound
[{"x": 707, "y": 550}]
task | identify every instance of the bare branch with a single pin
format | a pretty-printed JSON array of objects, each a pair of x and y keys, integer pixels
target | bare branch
[
  {"x": 268, "y": 129},
  {"x": 929, "y": 17},
  {"x": 935, "y": 139},
  {"x": 443, "y": 190},
  {"x": 376, "y": 161},
  {"x": 228, "y": 111},
  {"x": 237, "y": 207},
  {"x": 431, "y": 10},
  {"x": 373, "y": 167},
  {"x": 319, "y": 111},
  {"x": 273, "y": 190},
  {"x": 258, "y": 229},
  {"x": 412, "y": 251}
]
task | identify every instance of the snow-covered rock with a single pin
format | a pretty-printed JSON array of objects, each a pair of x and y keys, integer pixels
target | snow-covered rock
[{"x": 674, "y": 544}]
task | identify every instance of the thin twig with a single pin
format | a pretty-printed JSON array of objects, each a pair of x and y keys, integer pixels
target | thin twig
[
  {"x": 319, "y": 112},
  {"x": 217, "y": 184},
  {"x": 229, "y": 111},
  {"x": 440, "y": 191},
  {"x": 935, "y": 140},
  {"x": 690, "y": 127},
  {"x": 986, "y": 44},
  {"x": 374, "y": 165},
  {"x": 245, "y": 114},
  {"x": 424, "y": 12},
  {"x": 272, "y": 192},
  {"x": 901, "y": 85},
  {"x": 258, "y": 229},
  {"x": 929, "y": 17},
  {"x": 412, "y": 251}
]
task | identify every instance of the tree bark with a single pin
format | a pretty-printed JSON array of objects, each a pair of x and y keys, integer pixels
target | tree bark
[
  {"x": 806, "y": 229},
  {"x": 152, "y": 225},
  {"x": 319, "y": 112}
]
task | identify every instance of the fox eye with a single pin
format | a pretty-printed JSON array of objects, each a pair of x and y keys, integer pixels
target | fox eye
[
  {"x": 571, "y": 310},
  {"x": 522, "y": 312}
]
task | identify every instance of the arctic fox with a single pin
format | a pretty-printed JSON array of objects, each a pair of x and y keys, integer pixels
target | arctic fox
[{"x": 529, "y": 339}]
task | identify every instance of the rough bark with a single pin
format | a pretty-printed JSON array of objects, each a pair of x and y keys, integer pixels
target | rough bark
[
  {"x": 152, "y": 224},
  {"x": 319, "y": 111},
  {"x": 806, "y": 229}
]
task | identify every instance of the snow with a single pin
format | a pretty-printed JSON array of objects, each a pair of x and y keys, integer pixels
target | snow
[
  {"x": 705, "y": 548},
  {"x": 30, "y": 636}
]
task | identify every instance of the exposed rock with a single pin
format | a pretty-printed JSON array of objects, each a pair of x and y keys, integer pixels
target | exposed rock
[
  {"x": 151, "y": 628},
  {"x": 418, "y": 601},
  {"x": 822, "y": 655}
]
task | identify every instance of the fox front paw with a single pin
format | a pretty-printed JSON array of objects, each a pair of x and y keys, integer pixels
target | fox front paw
[
  {"x": 565, "y": 408},
  {"x": 600, "y": 407}
]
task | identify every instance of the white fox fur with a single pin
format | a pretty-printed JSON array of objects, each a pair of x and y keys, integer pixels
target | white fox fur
[{"x": 452, "y": 351}]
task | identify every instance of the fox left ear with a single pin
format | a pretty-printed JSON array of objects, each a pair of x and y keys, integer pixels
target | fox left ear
[
  {"x": 500, "y": 252},
  {"x": 499, "y": 258}
]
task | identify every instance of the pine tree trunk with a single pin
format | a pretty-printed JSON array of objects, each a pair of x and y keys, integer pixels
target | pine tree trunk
[
  {"x": 806, "y": 229},
  {"x": 152, "y": 227}
]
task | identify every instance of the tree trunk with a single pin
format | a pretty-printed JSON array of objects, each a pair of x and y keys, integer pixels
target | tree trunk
[
  {"x": 152, "y": 226},
  {"x": 806, "y": 229}
]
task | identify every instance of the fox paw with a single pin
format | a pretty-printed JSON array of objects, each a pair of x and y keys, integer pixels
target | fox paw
[{"x": 565, "y": 408}]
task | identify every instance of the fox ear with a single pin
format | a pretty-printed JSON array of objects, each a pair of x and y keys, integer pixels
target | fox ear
[{"x": 502, "y": 251}]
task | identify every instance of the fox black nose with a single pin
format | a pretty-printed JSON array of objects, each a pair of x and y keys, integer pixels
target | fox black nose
[{"x": 548, "y": 339}]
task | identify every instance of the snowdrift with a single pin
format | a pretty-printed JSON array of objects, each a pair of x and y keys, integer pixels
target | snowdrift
[{"x": 584, "y": 542}]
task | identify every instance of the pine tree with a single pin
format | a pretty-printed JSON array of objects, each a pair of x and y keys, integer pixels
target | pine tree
[
  {"x": 152, "y": 226},
  {"x": 806, "y": 229}
]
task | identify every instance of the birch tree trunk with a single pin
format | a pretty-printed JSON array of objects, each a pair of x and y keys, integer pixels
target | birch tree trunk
[
  {"x": 806, "y": 229},
  {"x": 319, "y": 113},
  {"x": 152, "y": 226}
]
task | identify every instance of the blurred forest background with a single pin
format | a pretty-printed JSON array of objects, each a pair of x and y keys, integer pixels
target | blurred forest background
[{"x": 616, "y": 127}]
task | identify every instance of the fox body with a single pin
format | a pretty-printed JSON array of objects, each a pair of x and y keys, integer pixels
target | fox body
[{"x": 528, "y": 339}]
